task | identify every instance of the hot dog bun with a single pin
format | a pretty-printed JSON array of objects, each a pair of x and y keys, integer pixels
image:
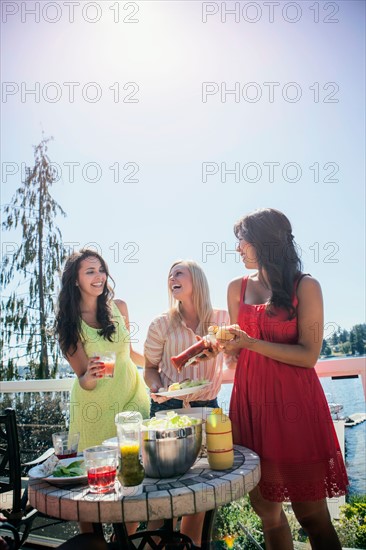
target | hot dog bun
[{"x": 223, "y": 333}]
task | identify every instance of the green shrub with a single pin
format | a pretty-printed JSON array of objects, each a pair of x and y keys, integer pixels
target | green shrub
[
  {"x": 229, "y": 521},
  {"x": 351, "y": 527}
]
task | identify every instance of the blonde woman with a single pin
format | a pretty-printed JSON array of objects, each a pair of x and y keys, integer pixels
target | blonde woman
[{"x": 188, "y": 318}]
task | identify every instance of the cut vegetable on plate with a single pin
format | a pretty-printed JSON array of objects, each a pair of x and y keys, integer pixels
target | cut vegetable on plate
[
  {"x": 76, "y": 468},
  {"x": 183, "y": 388},
  {"x": 66, "y": 471}
]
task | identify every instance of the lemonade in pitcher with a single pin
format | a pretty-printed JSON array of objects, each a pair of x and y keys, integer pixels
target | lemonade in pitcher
[{"x": 131, "y": 472}]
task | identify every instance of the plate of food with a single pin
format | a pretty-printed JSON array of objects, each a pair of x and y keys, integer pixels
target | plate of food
[
  {"x": 67, "y": 471},
  {"x": 187, "y": 387}
]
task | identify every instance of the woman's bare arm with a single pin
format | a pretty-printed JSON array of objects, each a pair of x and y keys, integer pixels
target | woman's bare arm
[
  {"x": 136, "y": 357},
  {"x": 87, "y": 369},
  {"x": 233, "y": 299},
  {"x": 152, "y": 376}
]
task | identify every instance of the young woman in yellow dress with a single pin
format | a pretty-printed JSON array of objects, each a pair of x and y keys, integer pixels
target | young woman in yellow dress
[{"x": 88, "y": 323}]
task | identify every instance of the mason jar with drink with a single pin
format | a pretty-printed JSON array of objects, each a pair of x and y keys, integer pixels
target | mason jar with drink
[{"x": 131, "y": 472}]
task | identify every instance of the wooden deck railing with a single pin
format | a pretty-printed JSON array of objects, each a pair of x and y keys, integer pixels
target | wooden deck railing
[
  {"x": 347, "y": 367},
  {"x": 335, "y": 368}
]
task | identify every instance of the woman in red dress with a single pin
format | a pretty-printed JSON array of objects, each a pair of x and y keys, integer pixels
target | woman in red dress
[{"x": 278, "y": 407}]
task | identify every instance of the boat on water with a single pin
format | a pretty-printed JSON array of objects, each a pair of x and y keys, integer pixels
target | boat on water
[
  {"x": 336, "y": 413},
  {"x": 350, "y": 420},
  {"x": 335, "y": 409},
  {"x": 354, "y": 419}
]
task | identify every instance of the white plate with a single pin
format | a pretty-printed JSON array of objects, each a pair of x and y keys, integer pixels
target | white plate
[
  {"x": 36, "y": 472},
  {"x": 184, "y": 391}
]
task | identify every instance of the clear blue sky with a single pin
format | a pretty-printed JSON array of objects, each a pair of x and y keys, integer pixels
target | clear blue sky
[{"x": 309, "y": 122}]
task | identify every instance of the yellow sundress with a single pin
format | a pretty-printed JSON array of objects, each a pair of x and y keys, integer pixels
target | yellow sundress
[{"x": 92, "y": 412}]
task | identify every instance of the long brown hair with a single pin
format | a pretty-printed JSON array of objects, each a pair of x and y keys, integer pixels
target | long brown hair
[
  {"x": 68, "y": 318},
  {"x": 269, "y": 231}
]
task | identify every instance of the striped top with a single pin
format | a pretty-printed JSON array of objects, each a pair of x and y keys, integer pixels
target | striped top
[{"x": 166, "y": 339}]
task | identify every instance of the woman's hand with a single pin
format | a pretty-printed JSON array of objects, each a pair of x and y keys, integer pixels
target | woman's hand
[
  {"x": 240, "y": 341},
  {"x": 154, "y": 393},
  {"x": 95, "y": 368},
  {"x": 87, "y": 369},
  {"x": 159, "y": 398},
  {"x": 206, "y": 354}
]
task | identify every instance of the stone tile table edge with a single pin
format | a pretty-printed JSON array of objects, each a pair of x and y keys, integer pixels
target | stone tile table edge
[
  {"x": 183, "y": 501},
  {"x": 135, "y": 508},
  {"x": 222, "y": 491},
  {"x": 204, "y": 496},
  {"x": 159, "y": 505}
]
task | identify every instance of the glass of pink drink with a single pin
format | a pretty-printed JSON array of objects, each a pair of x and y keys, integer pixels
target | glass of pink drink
[
  {"x": 109, "y": 360},
  {"x": 65, "y": 444},
  {"x": 101, "y": 468}
]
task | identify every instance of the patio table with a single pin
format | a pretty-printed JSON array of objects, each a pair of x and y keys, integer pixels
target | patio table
[{"x": 198, "y": 490}]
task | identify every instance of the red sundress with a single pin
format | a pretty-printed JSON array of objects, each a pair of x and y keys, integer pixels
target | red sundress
[{"x": 280, "y": 411}]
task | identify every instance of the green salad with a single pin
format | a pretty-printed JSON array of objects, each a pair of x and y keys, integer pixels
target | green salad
[
  {"x": 193, "y": 383},
  {"x": 74, "y": 469},
  {"x": 172, "y": 420}
]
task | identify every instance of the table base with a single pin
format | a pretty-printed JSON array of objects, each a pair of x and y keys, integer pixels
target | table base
[{"x": 166, "y": 536}]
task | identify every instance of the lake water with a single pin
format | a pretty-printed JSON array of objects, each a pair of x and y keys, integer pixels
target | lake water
[{"x": 348, "y": 393}]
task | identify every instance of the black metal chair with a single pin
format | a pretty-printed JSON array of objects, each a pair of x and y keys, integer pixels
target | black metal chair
[
  {"x": 14, "y": 508},
  {"x": 13, "y": 499},
  {"x": 12, "y": 541}
]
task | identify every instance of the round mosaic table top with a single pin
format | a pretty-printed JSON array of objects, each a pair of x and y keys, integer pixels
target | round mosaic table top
[{"x": 198, "y": 490}]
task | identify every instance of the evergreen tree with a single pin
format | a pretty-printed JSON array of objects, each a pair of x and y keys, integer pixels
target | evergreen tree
[
  {"x": 360, "y": 338},
  {"x": 335, "y": 338},
  {"x": 352, "y": 341},
  {"x": 344, "y": 336},
  {"x": 326, "y": 350},
  {"x": 27, "y": 317},
  {"x": 346, "y": 348}
]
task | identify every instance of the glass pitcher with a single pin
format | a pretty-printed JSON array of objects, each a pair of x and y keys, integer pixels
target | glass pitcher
[{"x": 131, "y": 472}]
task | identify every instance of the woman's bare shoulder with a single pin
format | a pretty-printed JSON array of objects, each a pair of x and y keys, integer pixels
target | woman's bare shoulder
[
  {"x": 122, "y": 306},
  {"x": 235, "y": 285},
  {"x": 308, "y": 286},
  {"x": 308, "y": 282}
]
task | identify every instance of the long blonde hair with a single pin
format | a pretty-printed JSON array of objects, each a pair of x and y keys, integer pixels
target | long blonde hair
[{"x": 200, "y": 296}]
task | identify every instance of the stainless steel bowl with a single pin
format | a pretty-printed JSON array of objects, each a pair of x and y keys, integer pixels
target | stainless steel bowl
[{"x": 168, "y": 453}]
